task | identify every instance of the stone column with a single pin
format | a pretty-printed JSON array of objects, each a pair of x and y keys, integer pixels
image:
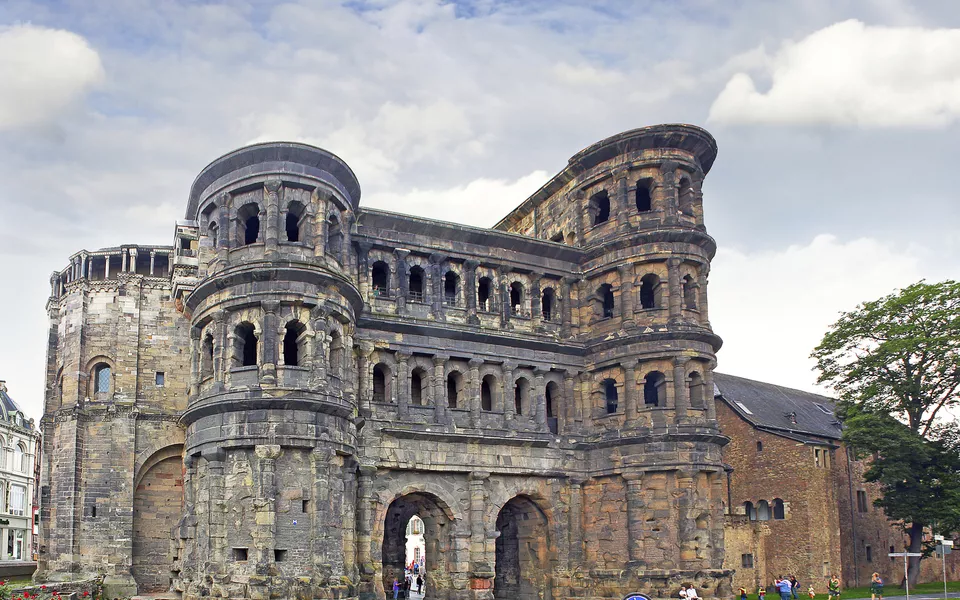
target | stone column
[
  {"x": 702, "y": 295},
  {"x": 349, "y": 532},
  {"x": 509, "y": 410},
  {"x": 440, "y": 413},
  {"x": 681, "y": 402},
  {"x": 535, "y": 299},
  {"x": 123, "y": 261},
  {"x": 217, "y": 507},
  {"x": 83, "y": 265},
  {"x": 106, "y": 266},
  {"x": 578, "y": 200},
  {"x": 502, "y": 273},
  {"x": 436, "y": 279},
  {"x": 540, "y": 404},
  {"x": 363, "y": 271},
  {"x": 474, "y": 397},
  {"x": 478, "y": 502},
  {"x": 635, "y": 516},
  {"x": 575, "y": 535},
  {"x": 403, "y": 280},
  {"x": 668, "y": 185},
  {"x": 265, "y": 505},
  {"x": 153, "y": 256},
  {"x": 630, "y": 392},
  {"x": 571, "y": 412},
  {"x": 403, "y": 385},
  {"x": 320, "y": 198},
  {"x": 708, "y": 398},
  {"x": 566, "y": 306},
  {"x": 133, "y": 260},
  {"x": 268, "y": 370},
  {"x": 365, "y": 503},
  {"x": 220, "y": 366},
  {"x": 623, "y": 200},
  {"x": 195, "y": 350},
  {"x": 319, "y": 370},
  {"x": 346, "y": 254},
  {"x": 470, "y": 290},
  {"x": 676, "y": 294},
  {"x": 626, "y": 295},
  {"x": 365, "y": 377},
  {"x": 586, "y": 407},
  {"x": 271, "y": 201}
]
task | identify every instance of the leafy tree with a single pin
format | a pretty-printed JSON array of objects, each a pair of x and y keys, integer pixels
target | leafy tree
[{"x": 894, "y": 364}]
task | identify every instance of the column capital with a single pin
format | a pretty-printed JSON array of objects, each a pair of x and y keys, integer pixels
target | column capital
[
  {"x": 272, "y": 185},
  {"x": 475, "y": 363},
  {"x": 471, "y": 264},
  {"x": 679, "y": 361},
  {"x": 402, "y": 253},
  {"x": 367, "y": 470},
  {"x": 270, "y": 306},
  {"x": 539, "y": 372},
  {"x": 366, "y": 348},
  {"x": 364, "y": 246},
  {"x": 631, "y": 477},
  {"x": 440, "y": 360},
  {"x": 509, "y": 366},
  {"x": 436, "y": 258},
  {"x": 479, "y": 476},
  {"x": 674, "y": 261},
  {"x": 577, "y": 481},
  {"x": 402, "y": 356},
  {"x": 195, "y": 333}
]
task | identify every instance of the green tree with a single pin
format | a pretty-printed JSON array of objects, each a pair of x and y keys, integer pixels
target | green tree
[{"x": 894, "y": 364}]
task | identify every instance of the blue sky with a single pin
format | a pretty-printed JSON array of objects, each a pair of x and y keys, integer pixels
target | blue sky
[{"x": 836, "y": 122}]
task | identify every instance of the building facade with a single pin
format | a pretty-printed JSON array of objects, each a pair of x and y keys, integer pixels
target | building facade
[
  {"x": 798, "y": 502},
  {"x": 19, "y": 446},
  {"x": 260, "y": 409}
]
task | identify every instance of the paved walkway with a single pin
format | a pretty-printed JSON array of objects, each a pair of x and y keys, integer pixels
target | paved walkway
[{"x": 921, "y": 596}]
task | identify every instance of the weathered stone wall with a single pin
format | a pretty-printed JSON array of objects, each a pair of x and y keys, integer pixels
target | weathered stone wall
[{"x": 157, "y": 506}]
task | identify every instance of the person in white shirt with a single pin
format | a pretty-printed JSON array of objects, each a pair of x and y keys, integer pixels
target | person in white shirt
[
  {"x": 691, "y": 593},
  {"x": 683, "y": 592}
]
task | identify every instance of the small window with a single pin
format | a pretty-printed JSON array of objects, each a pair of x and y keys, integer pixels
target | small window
[
  {"x": 380, "y": 274},
  {"x": 547, "y": 300},
  {"x": 240, "y": 554},
  {"x": 249, "y": 231},
  {"x": 685, "y": 197},
  {"x": 644, "y": 203},
  {"x": 750, "y": 511},
  {"x": 869, "y": 554},
  {"x": 334, "y": 236},
  {"x": 779, "y": 513},
  {"x": 484, "y": 293},
  {"x": 486, "y": 392},
  {"x": 763, "y": 511},
  {"x": 696, "y": 390},
  {"x": 557, "y": 237},
  {"x": 379, "y": 383},
  {"x": 862, "y": 505},
  {"x": 279, "y": 555},
  {"x": 759, "y": 446},
  {"x": 416, "y": 284},
  {"x": 305, "y": 506},
  {"x": 600, "y": 207},
  {"x": 101, "y": 379},
  {"x": 454, "y": 382},
  {"x": 650, "y": 291},
  {"x": 516, "y": 298},
  {"x": 816, "y": 457},
  {"x": 655, "y": 389},
  {"x": 294, "y": 341},
  {"x": 292, "y": 222},
  {"x": 689, "y": 293},
  {"x": 213, "y": 232},
  {"x": 247, "y": 340},
  {"x": 159, "y": 379},
  {"x": 451, "y": 288},
  {"x": 521, "y": 396},
  {"x": 552, "y": 393},
  {"x": 206, "y": 356},
  {"x": 416, "y": 386},
  {"x": 610, "y": 395},
  {"x": 605, "y": 294},
  {"x": 746, "y": 561}
]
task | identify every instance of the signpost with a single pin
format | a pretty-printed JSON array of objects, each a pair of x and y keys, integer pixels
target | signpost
[
  {"x": 943, "y": 548},
  {"x": 906, "y": 580}
]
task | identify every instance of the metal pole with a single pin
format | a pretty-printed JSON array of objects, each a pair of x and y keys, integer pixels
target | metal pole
[
  {"x": 943, "y": 560},
  {"x": 906, "y": 576}
]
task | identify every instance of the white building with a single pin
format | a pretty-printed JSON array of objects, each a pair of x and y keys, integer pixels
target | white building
[
  {"x": 19, "y": 443},
  {"x": 416, "y": 546}
]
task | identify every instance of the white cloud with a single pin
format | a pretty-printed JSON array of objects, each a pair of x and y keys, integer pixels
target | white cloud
[
  {"x": 43, "y": 72},
  {"x": 481, "y": 202},
  {"x": 772, "y": 308},
  {"x": 585, "y": 74},
  {"x": 851, "y": 74}
]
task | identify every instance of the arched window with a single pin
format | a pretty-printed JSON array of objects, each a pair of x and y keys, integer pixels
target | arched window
[
  {"x": 521, "y": 396},
  {"x": 547, "y": 300},
  {"x": 417, "y": 381},
  {"x": 605, "y": 295},
  {"x": 484, "y": 294},
  {"x": 759, "y": 446},
  {"x": 249, "y": 230},
  {"x": 599, "y": 207},
  {"x": 454, "y": 385},
  {"x": 553, "y": 395},
  {"x": 101, "y": 378},
  {"x": 695, "y": 386},
  {"x": 655, "y": 389},
  {"x": 763, "y": 511},
  {"x": 293, "y": 220},
  {"x": 416, "y": 284},
  {"x": 246, "y": 340},
  {"x": 380, "y": 275},
  {"x": 750, "y": 511},
  {"x": 610, "y": 395},
  {"x": 380, "y": 383},
  {"x": 487, "y": 385},
  {"x": 650, "y": 291},
  {"x": 213, "y": 232},
  {"x": 20, "y": 458},
  {"x": 644, "y": 202},
  {"x": 293, "y": 343},
  {"x": 451, "y": 288},
  {"x": 516, "y": 298},
  {"x": 336, "y": 354},
  {"x": 778, "y": 510},
  {"x": 334, "y": 236},
  {"x": 206, "y": 356},
  {"x": 685, "y": 196},
  {"x": 689, "y": 293}
]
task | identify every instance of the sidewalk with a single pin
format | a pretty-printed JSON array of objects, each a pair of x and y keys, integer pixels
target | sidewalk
[{"x": 921, "y": 596}]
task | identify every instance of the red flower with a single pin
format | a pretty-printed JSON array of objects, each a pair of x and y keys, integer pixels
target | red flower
[
  {"x": 86, "y": 594},
  {"x": 43, "y": 587}
]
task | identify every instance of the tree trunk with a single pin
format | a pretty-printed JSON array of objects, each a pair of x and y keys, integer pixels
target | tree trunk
[{"x": 916, "y": 545}]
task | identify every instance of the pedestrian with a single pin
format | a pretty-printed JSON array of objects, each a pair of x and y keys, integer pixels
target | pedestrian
[
  {"x": 683, "y": 592},
  {"x": 811, "y": 593},
  {"x": 762, "y": 592},
  {"x": 743, "y": 593},
  {"x": 420, "y": 583},
  {"x": 691, "y": 593},
  {"x": 784, "y": 588},
  {"x": 396, "y": 589},
  {"x": 794, "y": 587},
  {"x": 876, "y": 587},
  {"x": 833, "y": 588}
]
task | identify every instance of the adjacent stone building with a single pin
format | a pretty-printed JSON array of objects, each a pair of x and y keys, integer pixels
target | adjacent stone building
[
  {"x": 19, "y": 446},
  {"x": 258, "y": 410},
  {"x": 797, "y": 500}
]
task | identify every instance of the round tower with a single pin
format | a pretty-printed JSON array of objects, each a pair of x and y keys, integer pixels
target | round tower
[{"x": 271, "y": 421}]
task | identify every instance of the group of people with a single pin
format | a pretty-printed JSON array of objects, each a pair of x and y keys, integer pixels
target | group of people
[
  {"x": 412, "y": 582},
  {"x": 789, "y": 589}
]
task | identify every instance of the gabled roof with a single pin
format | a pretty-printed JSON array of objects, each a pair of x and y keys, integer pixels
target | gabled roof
[{"x": 774, "y": 408}]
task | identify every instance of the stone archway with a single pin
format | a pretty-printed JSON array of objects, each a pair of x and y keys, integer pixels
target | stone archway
[
  {"x": 438, "y": 539},
  {"x": 157, "y": 504},
  {"x": 522, "y": 552}
]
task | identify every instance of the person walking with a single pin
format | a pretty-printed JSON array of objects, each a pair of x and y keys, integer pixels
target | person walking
[
  {"x": 396, "y": 589},
  {"x": 743, "y": 593},
  {"x": 785, "y": 588},
  {"x": 833, "y": 588},
  {"x": 876, "y": 587},
  {"x": 762, "y": 592},
  {"x": 420, "y": 584},
  {"x": 795, "y": 587}
]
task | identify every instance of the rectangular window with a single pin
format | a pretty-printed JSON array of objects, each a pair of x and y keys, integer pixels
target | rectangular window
[
  {"x": 869, "y": 554},
  {"x": 279, "y": 555},
  {"x": 861, "y": 501},
  {"x": 816, "y": 456},
  {"x": 16, "y": 501},
  {"x": 160, "y": 379},
  {"x": 240, "y": 554},
  {"x": 746, "y": 561}
]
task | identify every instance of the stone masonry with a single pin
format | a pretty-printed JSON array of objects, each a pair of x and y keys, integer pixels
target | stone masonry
[{"x": 260, "y": 409}]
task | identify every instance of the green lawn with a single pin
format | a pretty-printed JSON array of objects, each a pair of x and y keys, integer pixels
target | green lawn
[{"x": 864, "y": 592}]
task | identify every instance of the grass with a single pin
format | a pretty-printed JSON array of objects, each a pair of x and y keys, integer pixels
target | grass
[
  {"x": 864, "y": 591},
  {"x": 18, "y": 580}
]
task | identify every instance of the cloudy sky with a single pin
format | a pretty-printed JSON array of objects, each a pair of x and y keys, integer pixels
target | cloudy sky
[{"x": 837, "y": 122}]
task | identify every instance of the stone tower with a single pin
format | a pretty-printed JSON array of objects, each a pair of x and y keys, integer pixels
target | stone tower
[
  {"x": 539, "y": 394},
  {"x": 272, "y": 402}
]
